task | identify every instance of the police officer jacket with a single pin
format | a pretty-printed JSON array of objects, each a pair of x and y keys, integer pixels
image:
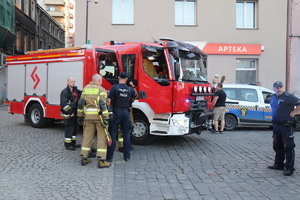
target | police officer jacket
[
  {"x": 67, "y": 99},
  {"x": 92, "y": 94},
  {"x": 282, "y": 106},
  {"x": 121, "y": 96}
]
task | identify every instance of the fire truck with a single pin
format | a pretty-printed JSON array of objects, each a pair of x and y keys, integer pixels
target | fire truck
[{"x": 174, "y": 96}]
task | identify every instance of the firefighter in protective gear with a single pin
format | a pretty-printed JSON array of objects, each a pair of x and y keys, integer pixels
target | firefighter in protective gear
[
  {"x": 92, "y": 101},
  {"x": 119, "y": 97},
  {"x": 68, "y": 102}
]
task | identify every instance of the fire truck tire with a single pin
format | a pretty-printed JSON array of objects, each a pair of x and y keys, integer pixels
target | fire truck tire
[
  {"x": 140, "y": 134},
  {"x": 230, "y": 122},
  {"x": 36, "y": 116}
]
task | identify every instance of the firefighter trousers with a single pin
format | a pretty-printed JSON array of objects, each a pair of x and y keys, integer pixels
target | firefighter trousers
[
  {"x": 71, "y": 129},
  {"x": 89, "y": 130}
]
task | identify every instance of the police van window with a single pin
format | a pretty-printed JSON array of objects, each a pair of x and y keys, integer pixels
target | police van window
[
  {"x": 266, "y": 96},
  {"x": 108, "y": 65},
  {"x": 231, "y": 93},
  {"x": 248, "y": 95},
  {"x": 155, "y": 65},
  {"x": 128, "y": 62}
]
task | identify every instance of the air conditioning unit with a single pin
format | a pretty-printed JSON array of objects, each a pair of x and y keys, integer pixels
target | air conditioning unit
[{"x": 2, "y": 59}]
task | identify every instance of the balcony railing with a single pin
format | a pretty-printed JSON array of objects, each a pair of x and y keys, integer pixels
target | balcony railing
[{"x": 55, "y": 2}]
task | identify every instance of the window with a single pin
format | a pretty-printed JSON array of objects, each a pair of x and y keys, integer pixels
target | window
[
  {"x": 50, "y": 8},
  {"x": 246, "y": 14},
  {"x": 246, "y": 71},
  {"x": 26, "y": 42},
  {"x": 122, "y": 12},
  {"x": 267, "y": 96},
  {"x": 108, "y": 66},
  {"x": 19, "y": 43},
  {"x": 26, "y": 7},
  {"x": 185, "y": 12},
  {"x": 18, "y": 4},
  {"x": 128, "y": 64},
  {"x": 241, "y": 94},
  {"x": 33, "y": 10}
]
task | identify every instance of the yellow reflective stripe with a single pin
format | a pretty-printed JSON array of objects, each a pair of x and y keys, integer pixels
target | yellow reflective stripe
[
  {"x": 92, "y": 112},
  {"x": 102, "y": 93},
  {"x": 101, "y": 150},
  {"x": 120, "y": 139},
  {"x": 91, "y": 109},
  {"x": 68, "y": 140},
  {"x": 91, "y": 91},
  {"x": 85, "y": 149},
  {"x": 80, "y": 110},
  {"x": 74, "y": 137},
  {"x": 105, "y": 112}
]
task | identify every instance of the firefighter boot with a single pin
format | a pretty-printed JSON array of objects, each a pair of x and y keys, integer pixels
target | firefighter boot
[
  {"x": 85, "y": 161},
  {"x": 103, "y": 164}
]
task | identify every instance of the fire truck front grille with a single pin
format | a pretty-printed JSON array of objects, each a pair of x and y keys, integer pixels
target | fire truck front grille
[{"x": 198, "y": 105}]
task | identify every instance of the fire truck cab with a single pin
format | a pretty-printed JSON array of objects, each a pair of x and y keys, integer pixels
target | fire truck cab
[{"x": 174, "y": 96}]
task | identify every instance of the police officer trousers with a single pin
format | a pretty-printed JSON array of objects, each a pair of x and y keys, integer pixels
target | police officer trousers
[
  {"x": 120, "y": 134},
  {"x": 89, "y": 130},
  {"x": 71, "y": 129},
  {"x": 283, "y": 145},
  {"x": 121, "y": 118}
]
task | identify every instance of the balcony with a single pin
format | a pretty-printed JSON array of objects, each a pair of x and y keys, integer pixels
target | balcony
[
  {"x": 56, "y": 13},
  {"x": 71, "y": 16},
  {"x": 55, "y": 2},
  {"x": 71, "y": 25},
  {"x": 71, "y": 6}
]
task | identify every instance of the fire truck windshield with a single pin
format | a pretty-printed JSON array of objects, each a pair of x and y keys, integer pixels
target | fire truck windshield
[{"x": 192, "y": 67}]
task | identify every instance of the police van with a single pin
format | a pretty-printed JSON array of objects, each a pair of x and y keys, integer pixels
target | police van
[{"x": 247, "y": 105}]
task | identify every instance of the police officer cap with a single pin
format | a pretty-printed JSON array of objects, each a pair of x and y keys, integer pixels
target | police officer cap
[
  {"x": 277, "y": 84},
  {"x": 123, "y": 75}
]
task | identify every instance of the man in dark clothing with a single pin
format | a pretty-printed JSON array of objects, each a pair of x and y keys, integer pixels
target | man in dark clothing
[
  {"x": 68, "y": 102},
  {"x": 218, "y": 104},
  {"x": 119, "y": 97},
  {"x": 283, "y": 110}
]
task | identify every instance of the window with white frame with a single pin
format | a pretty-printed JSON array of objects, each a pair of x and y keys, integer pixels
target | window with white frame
[
  {"x": 246, "y": 14},
  {"x": 185, "y": 12},
  {"x": 246, "y": 70},
  {"x": 122, "y": 11}
]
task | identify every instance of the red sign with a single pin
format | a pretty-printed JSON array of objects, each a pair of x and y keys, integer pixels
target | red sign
[
  {"x": 35, "y": 78},
  {"x": 240, "y": 49}
]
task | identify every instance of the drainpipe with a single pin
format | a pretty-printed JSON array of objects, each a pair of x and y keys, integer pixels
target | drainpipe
[{"x": 287, "y": 78}]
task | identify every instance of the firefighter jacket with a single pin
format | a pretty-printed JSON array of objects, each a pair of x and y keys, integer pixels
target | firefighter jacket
[
  {"x": 91, "y": 102},
  {"x": 69, "y": 99}
]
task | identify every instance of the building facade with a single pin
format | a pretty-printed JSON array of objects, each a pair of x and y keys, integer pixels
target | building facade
[
  {"x": 62, "y": 12},
  {"x": 243, "y": 39}
]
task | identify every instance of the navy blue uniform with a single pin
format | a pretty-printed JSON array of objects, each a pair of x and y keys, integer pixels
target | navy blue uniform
[
  {"x": 120, "y": 96},
  {"x": 283, "y": 138}
]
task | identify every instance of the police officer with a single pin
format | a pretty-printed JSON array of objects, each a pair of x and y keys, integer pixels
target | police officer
[
  {"x": 68, "y": 102},
  {"x": 119, "y": 97},
  {"x": 92, "y": 107},
  {"x": 283, "y": 110}
]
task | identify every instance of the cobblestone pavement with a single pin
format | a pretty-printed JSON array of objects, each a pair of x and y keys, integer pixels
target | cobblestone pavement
[{"x": 35, "y": 165}]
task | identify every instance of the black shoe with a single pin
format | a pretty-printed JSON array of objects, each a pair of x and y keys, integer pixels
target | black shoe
[
  {"x": 214, "y": 131},
  {"x": 221, "y": 132},
  {"x": 92, "y": 155},
  {"x": 127, "y": 159},
  {"x": 121, "y": 149},
  {"x": 76, "y": 145},
  {"x": 70, "y": 148},
  {"x": 288, "y": 172},
  {"x": 276, "y": 166}
]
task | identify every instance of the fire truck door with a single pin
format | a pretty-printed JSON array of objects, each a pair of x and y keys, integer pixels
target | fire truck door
[{"x": 154, "y": 85}]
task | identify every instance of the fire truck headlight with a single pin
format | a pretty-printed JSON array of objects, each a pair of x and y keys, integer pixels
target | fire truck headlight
[
  {"x": 200, "y": 89},
  {"x": 180, "y": 123},
  {"x": 204, "y": 89},
  {"x": 209, "y": 89},
  {"x": 195, "y": 89}
]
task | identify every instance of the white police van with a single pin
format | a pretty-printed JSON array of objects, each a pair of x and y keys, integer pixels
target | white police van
[{"x": 247, "y": 105}]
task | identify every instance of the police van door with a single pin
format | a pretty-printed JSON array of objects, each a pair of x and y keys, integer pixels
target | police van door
[{"x": 266, "y": 106}]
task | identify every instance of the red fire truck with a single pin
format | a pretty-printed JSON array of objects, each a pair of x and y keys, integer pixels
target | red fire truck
[{"x": 174, "y": 96}]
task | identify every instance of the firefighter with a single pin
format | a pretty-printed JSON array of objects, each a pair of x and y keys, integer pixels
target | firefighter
[
  {"x": 68, "y": 102},
  {"x": 119, "y": 97},
  {"x": 92, "y": 110}
]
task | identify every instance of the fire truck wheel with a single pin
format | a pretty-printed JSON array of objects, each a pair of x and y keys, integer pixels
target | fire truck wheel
[
  {"x": 140, "y": 134},
  {"x": 230, "y": 122},
  {"x": 36, "y": 116}
]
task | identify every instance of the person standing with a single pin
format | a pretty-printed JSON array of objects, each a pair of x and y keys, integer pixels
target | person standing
[
  {"x": 68, "y": 102},
  {"x": 92, "y": 107},
  {"x": 216, "y": 79},
  {"x": 283, "y": 110},
  {"x": 223, "y": 79},
  {"x": 218, "y": 104},
  {"x": 119, "y": 97}
]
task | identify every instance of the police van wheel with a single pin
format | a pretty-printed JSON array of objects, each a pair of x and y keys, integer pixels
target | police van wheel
[
  {"x": 36, "y": 116},
  {"x": 140, "y": 134},
  {"x": 230, "y": 122}
]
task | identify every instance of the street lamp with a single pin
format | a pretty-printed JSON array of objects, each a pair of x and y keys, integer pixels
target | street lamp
[{"x": 87, "y": 18}]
